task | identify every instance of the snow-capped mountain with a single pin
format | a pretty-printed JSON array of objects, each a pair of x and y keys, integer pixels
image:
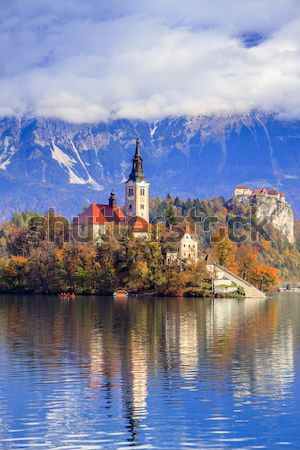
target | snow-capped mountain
[{"x": 49, "y": 163}]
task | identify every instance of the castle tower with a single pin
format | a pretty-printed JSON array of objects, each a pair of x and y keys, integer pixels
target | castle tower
[{"x": 137, "y": 189}]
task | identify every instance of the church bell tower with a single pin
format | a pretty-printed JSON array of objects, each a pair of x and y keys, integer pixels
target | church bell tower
[{"x": 137, "y": 189}]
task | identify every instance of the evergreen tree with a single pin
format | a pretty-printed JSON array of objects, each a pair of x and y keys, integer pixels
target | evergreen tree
[{"x": 171, "y": 217}]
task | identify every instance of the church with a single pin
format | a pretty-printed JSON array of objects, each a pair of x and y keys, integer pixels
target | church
[
  {"x": 97, "y": 219},
  {"x": 137, "y": 189}
]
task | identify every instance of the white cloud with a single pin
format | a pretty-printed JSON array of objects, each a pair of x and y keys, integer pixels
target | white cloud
[{"x": 90, "y": 61}]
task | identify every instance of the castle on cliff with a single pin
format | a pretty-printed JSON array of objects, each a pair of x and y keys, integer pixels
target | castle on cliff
[
  {"x": 270, "y": 206},
  {"x": 248, "y": 192}
]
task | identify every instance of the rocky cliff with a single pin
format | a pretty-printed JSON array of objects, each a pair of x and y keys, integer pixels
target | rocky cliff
[
  {"x": 277, "y": 213},
  {"x": 49, "y": 163}
]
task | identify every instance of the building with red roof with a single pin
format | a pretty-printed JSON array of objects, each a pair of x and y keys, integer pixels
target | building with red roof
[
  {"x": 140, "y": 227},
  {"x": 245, "y": 191},
  {"x": 94, "y": 221},
  {"x": 97, "y": 219}
]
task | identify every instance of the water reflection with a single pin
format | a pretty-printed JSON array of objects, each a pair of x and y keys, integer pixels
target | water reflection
[
  {"x": 188, "y": 342},
  {"x": 101, "y": 372}
]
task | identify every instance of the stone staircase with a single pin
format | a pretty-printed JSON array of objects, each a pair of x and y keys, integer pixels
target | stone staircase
[{"x": 249, "y": 289}]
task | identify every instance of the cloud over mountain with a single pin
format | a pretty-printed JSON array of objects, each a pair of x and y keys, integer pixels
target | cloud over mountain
[{"x": 89, "y": 61}]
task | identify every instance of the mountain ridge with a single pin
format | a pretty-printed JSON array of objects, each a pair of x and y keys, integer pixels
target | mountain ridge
[{"x": 51, "y": 163}]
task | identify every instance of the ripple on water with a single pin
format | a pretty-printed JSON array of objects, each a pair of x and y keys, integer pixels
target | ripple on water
[{"x": 149, "y": 373}]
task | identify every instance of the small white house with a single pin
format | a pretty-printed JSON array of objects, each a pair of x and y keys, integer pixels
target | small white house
[
  {"x": 188, "y": 247},
  {"x": 182, "y": 247}
]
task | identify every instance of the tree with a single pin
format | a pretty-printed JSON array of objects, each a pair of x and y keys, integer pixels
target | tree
[
  {"x": 266, "y": 277},
  {"x": 171, "y": 217},
  {"x": 81, "y": 268},
  {"x": 46, "y": 272},
  {"x": 23, "y": 233},
  {"x": 224, "y": 252},
  {"x": 106, "y": 275},
  {"x": 247, "y": 263},
  {"x": 174, "y": 280},
  {"x": 56, "y": 228},
  {"x": 138, "y": 276},
  {"x": 148, "y": 252},
  {"x": 177, "y": 202},
  {"x": 13, "y": 273}
]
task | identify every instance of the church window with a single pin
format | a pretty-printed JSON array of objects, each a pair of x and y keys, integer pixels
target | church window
[
  {"x": 130, "y": 207},
  {"x": 142, "y": 206},
  {"x": 130, "y": 192},
  {"x": 142, "y": 191}
]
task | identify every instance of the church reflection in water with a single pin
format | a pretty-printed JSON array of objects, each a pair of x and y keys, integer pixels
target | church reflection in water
[{"x": 120, "y": 355}]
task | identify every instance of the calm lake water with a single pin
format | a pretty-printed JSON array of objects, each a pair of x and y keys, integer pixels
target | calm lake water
[{"x": 96, "y": 373}]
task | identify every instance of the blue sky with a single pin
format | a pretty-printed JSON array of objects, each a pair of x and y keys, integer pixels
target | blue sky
[{"x": 91, "y": 60}]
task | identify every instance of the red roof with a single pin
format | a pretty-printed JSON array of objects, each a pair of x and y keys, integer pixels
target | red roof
[
  {"x": 263, "y": 191},
  {"x": 139, "y": 225},
  {"x": 112, "y": 214},
  {"x": 242, "y": 187},
  {"x": 267, "y": 191},
  {"x": 187, "y": 228},
  {"x": 98, "y": 214},
  {"x": 182, "y": 229}
]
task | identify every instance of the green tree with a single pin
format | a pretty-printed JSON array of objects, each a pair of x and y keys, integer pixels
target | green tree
[
  {"x": 149, "y": 253},
  {"x": 46, "y": 272},
  {"x": 107, "y": 276},
  {"x": 171, "y": 216}
]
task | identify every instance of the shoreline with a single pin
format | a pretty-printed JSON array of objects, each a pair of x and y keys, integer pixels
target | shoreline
[{"x": 131, "y": 295}]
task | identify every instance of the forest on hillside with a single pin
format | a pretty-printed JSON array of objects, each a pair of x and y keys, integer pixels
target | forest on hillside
[
  {"x": 37, "y": 254},
  {"x": 276, "y": 251}
]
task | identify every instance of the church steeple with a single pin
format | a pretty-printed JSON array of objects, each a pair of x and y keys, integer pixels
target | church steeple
[
  {"x": 137, "y": 173},
  {"x": 137, "y": 188}
]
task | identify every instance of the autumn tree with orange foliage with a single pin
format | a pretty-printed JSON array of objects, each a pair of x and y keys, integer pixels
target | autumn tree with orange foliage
[
  {"x": 223, "y": 251},
  {"x": 263, "y": 276},
  {"x": 246, "y": 259},
  {"x": 36, "y": 255},
  {"x": 13, "y": 273},
  {"x": 266, "y": 278}
]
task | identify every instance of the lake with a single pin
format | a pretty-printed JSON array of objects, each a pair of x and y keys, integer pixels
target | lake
[{"x": 96, "y": 373}]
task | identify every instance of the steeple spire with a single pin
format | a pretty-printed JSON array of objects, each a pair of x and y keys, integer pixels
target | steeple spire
[
  {"x": 137, "y": 188},
  {"x": 137, "y": 173},
  {"x": 112, "y": 199},
  {"x": 137, "y": 148}
]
